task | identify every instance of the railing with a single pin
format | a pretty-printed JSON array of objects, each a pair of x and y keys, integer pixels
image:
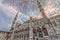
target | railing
[{"x": 48, "y": 38}]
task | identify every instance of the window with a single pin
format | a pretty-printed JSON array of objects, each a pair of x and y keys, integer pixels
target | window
[
  {"x": 39, "y": 32},
  {"x": 54, "y": 23},
  {"x": 34, "y": 32},
  {"x": 44, "y": 30}
]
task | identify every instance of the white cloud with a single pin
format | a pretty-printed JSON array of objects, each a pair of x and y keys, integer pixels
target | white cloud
[
  {"x": 51, "y": 7},
  {"x": 9, "y": 10}
]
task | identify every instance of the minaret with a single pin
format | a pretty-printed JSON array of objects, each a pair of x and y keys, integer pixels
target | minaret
[
  {"x": 13, "y": 26},
  {"x": 44, "y": 16},
  {"x": 41, "y": 10},
  {"x": 14, "y": 21}
]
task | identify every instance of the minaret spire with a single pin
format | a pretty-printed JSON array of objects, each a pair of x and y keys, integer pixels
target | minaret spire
[{"x": 14, "y": 21}]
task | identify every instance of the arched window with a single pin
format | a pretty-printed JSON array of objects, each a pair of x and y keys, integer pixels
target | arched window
[
  {"x": 34, "y": 32},
  {"x": 44, "y": 30},
  {"x": 39, "y": 32}
]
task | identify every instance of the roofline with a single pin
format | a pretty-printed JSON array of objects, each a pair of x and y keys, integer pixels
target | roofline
[
  {"x": 4, "y": 31},
  {"x": 55, "y": 16}
]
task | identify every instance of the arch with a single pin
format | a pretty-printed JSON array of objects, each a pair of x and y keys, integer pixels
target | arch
[{"x": 44, "y": 30}]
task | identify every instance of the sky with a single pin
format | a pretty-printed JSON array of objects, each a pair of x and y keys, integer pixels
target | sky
[{"x": 26, "y": 9}]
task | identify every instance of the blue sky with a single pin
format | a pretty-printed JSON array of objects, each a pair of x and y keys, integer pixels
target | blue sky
[{"x": 26, "y": 8}]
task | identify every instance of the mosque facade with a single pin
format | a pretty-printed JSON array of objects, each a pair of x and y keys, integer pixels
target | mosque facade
[{"x": 34, "y": 29}]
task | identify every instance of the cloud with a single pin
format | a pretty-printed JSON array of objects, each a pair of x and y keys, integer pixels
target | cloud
[
  {"x": 11, "y": 10},
  {"x": 7, "y": 14},
  {"x": 27, "y": 8},
  {"x": 48, "y": 10},
  {"x": 22, "y": 18},
  {"x": 51, "y": 8},
  {"x": 38, "y": 17}
]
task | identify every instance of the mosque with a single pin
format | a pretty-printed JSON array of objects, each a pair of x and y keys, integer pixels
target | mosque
[
  {"x": 37, "y": 29},
  {"x": 34, "y": 29}
]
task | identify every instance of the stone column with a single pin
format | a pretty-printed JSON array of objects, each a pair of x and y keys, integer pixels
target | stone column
[{"x": 23, "y": 36}]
